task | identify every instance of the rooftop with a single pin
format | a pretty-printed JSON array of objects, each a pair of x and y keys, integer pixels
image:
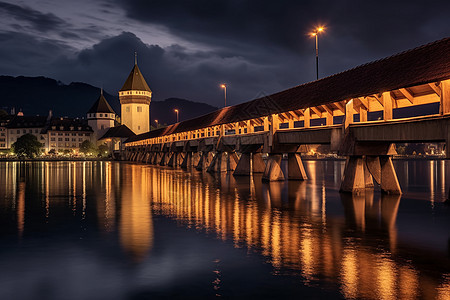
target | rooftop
[
  {"x": 135, "y": 81},
  {"x": 421, "y": 65},
  {"x": 101, "y": 106}
]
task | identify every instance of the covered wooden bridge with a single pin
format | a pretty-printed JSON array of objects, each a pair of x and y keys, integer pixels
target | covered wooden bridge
[{"x": 359, "y": 113}]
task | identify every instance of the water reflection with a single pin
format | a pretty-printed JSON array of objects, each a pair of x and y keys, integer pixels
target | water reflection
[
  {"x": 307, "y": 228},
  {"x": 286, "y": 222},
  {"x": 136, "y": 225}
]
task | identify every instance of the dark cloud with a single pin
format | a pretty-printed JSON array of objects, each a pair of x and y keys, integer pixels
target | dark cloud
[
  {"x": 285, "y": 23},
  {"x": 38, "y": 20},
  {"x": 255, "y": 47}
]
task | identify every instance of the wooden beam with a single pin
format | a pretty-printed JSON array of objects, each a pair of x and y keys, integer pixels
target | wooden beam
[
  {"x": 340, "y": 106},
  {"x": 407, "y": 94},
  {"x": 378, "y": 98},
  {"x": 327, "y": 109},
  {"x": 364, "y": 102},
  {"x": 436, "y": 88},
  {"x": 317, "y": 111},
  {"x": 292, "y": 115}
]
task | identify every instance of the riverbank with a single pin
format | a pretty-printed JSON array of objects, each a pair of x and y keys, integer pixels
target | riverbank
[{"x": 58, "y": 159}]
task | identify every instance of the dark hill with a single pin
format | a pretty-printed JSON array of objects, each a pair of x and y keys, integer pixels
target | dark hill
[{"x": 37, "y": 95}]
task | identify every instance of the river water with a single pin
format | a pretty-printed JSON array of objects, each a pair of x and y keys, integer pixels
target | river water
[{"x": 109, "y": 230}]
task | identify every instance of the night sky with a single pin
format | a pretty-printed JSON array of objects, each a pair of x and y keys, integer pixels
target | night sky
[{"x": 187, "y": 48}]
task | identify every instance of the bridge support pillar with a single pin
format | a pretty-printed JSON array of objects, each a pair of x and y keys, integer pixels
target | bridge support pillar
[
  {"x": 173, "y": 160},
  {"x": 218, "y": 164},
  {"x": 389, "y": 181},
  {"x": 353, "y": 180},
  {"x": 243, "y": 167},
  {"x": 296, "y": 170},
  {"x": 360, "y": 172},
  {"x": 164, "y": 158},
  {"x": 249, "y": 163},
  {"x": 187, "y": 161},
  {"x": 273, "y": 171},
  {"x": 233, "y": 160},
  {"x": 205, "y": 160},
  {"x": 155, "y": 158},
  {"x": 258, "y": 165},
  {"x": 195, "y": 159}
]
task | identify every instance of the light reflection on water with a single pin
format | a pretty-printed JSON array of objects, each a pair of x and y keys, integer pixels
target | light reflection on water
[{"x": 359, "y": 245}]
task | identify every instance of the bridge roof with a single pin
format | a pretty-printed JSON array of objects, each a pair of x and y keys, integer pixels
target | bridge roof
[{"x": 421, "y": 65}]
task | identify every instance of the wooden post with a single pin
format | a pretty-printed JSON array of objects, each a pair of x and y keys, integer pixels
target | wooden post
[
  {"x": 362, "y": 115},
  {"x": 329, "y": 117},
  {"x": 250, "y": 128},
  {"x": 291, "y": 122},
  {"x": 445, "y": 97},
  {"x": 275, "y": 125},
  {"x": 236, "y": 128},
  {"x": 387, "y": 103},
  {"x": 266, "y": 123},
  {"x": 307, "y": 117},
  {"x": 348, "y": 114}
]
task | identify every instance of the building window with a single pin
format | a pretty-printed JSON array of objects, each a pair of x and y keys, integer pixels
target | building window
[
  {"x": 139, "y": 127},
  {"x": 67, "y": 139},
  {"x": 102, "y": 127},
  {"x": 52, "y": 139},
  {"x": 74, "y": 140},
  {"x": 139, "y": 109},
  {"x": 101, "y": 115},
  {"x": 59, "y": 139},
  {"x": 87, "y": 134},
  {"x": 18, "y": 131},
  {"x": 127, "y": 109}
]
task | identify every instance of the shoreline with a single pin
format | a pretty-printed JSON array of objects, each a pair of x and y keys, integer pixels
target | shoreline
[
  {"x": 55, "y": 159},
  {"x": 110, "y": 159}
]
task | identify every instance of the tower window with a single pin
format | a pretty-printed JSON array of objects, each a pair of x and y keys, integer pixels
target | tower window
[
  {"x": 127, "y": 109},
  {"x": 139, "y": 127},
  {"x": 139, "y": 109},
  {"x": 101, "y": 115}
]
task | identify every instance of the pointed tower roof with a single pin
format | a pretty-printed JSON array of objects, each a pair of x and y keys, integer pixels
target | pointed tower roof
[
  {"x": 101, "y": 106},
  {"x": 135, "y": 81}
]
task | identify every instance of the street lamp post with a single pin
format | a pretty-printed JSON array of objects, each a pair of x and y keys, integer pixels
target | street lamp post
[
  {"x": 316, "y": 35},
  {"x": 176, "y": 111},
  {"x": 156, "y": 121},
  {"x": 224, "y": 86}
]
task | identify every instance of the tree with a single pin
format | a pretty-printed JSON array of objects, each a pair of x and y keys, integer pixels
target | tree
[
  {"x": 27, "y": 145},
  {"x": 103, "y": 150},
  {"x": 3, "y": 113},
  {"x": 87, "y": 147}
]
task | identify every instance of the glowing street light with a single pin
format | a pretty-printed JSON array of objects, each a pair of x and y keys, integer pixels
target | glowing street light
[
  {"x": 156, "y": 121},
  {"x": 224, "y": 86},
  {"x": 315, "y": 34},
  {"x": 176, "y": 111}
]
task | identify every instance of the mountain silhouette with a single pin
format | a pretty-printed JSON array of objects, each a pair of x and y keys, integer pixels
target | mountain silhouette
[{"x": 38, "y": 95}]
